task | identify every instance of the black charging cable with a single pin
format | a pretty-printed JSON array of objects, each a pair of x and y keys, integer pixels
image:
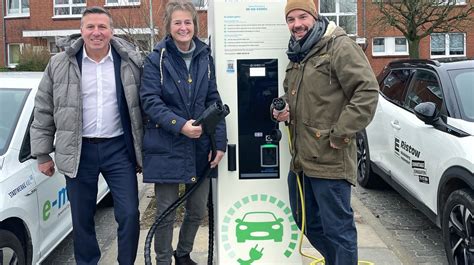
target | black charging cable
[
  {"x": 209, "y": 120},
  {"x": 279, "y": 105}
]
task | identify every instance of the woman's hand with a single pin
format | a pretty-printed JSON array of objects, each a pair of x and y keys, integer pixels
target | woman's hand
[
  {"x": 190, "y": 130},
  {"x": 217, "y": 159}
]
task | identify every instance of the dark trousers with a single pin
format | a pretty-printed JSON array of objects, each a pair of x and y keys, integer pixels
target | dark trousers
[
  {"x": 330, "y": 226},
  {"x": 110, "y": 158},
  {"x": 195, "y": 211}
]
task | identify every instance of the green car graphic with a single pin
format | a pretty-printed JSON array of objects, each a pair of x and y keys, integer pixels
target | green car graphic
[{"x": 259, "y": 226}]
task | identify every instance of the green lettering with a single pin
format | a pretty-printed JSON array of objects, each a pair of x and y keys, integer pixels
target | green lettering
[{"x": 46, "y": 210}]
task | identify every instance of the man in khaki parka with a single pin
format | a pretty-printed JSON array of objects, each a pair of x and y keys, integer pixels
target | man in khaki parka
[{"x": 331, "y": 93}]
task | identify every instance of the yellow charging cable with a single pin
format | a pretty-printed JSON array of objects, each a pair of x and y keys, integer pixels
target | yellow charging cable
[
  {"x": 303, "y": 216},
  {"x": 316, "y": 260}
]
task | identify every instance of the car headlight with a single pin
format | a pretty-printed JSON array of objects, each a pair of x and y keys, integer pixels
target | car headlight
[
  {"x": 243, "y": 227},
  {"x": 275, "y": 226}
]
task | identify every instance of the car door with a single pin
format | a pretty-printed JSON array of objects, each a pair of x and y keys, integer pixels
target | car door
[
  {"x": 18, "y": 200},
  {"x": 383, "y": 128},
  {"x": 418, "y": 145},
  {"x": 54, "y": 213}
]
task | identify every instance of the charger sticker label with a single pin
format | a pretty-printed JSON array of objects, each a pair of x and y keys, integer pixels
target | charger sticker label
[{"x": 249, "y": 235}]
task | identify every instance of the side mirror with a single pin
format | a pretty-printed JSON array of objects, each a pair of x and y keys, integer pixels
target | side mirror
[{"x": 427, "y": 112}]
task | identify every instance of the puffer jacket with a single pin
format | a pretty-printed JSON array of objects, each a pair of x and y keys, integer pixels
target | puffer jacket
[
  {"x": 58, "y": 106},
  {"x": 332, "y": 94},
  {"x": 171, "y": 95}
]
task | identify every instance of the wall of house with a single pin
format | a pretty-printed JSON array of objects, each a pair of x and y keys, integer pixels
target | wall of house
[
  {"x": 2, "y": 45},
  {"x": 41, "y": 18}
]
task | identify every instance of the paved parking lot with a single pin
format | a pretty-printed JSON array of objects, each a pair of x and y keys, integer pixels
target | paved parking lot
[{"x": 413, "y": 230}]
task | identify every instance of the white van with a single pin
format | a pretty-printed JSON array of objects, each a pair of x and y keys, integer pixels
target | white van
[{"x": 34, "y": 208}]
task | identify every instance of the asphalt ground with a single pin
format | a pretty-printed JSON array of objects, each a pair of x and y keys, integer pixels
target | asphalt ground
[{"x": 376, "y": 244}]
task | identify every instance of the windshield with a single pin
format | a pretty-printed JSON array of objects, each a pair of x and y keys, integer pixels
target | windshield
[
  {"x": 11, "y": 104},
  {"x": 462, "y": 81}
]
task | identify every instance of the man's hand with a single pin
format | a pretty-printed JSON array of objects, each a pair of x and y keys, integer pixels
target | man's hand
[
  {"x": 47, "y": 168},
  {"x": 283, "y": 115},
  {"x": 217, "y": 159},
  {"x": 333, "y": 146},
  {"x": 191, "y": 131}
]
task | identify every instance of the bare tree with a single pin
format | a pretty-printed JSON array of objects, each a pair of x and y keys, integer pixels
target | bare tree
[
  {"x": 417, "y": 19},
  {"x": 130, "y": 22},
  {"x": 150, "y": 16}
]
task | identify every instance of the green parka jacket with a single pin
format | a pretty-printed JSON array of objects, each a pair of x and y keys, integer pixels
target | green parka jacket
[{"x": 332, "y": 94}]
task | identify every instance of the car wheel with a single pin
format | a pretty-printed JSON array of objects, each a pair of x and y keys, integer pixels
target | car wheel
[
  {"x": 11, "y": 250},
  {"x": 365, "y": 177},
  {"x": 458, "y": 227}
]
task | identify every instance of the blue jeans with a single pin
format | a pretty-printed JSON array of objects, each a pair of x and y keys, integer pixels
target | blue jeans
[{"x": 330, "y": 226}]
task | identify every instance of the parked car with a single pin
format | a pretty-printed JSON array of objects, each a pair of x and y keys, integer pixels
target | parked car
[
  {"x": 34, "y": 208},
  {"x": 421, "y": 142}
]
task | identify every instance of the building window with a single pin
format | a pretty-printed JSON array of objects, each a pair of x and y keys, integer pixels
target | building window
[
  {"x": 14, "y": 52},
  {"x": 18, "y": 7},
  {"x": 122, "y": 2},
  {"x": 457, "y": 2},
  {"x": 69, "y": 8},
  {"x": 448, "y": 44},
  {"x": 382, "y": 46},
  {"x": 342, "y": 12},
  {"x": 53, "y": 48},
  {"x": 200, "y": 4}
]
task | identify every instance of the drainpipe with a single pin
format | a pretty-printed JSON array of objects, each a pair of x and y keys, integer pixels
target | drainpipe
[
  {"x": 364, "y": 24},
  {"x": 152, "y": 27},
  {"x": 364, "y": 19},
  {"x": 4, "y": 37}
]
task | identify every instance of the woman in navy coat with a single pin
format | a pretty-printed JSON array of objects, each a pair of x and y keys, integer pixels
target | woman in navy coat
[{"x": 178, "y": 84}]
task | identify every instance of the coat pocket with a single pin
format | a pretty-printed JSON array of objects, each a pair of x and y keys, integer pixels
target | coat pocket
[
  {"x": 316, "y": 149},
  {"x": 157, "y": 141},
  {"x": 163, "y": 169}
]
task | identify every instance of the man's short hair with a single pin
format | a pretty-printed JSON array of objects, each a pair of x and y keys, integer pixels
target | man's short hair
[{"x": 97, "y": 10}]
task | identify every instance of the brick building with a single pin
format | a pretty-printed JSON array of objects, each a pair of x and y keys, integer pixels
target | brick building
[{"x": 39, "y": 23}]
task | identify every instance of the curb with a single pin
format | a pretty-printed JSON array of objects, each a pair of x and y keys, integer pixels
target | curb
[{"x": 385, "y": 235}]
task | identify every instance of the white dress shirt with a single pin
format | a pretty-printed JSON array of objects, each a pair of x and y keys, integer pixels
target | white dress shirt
[{"x": 100, "y": 113}]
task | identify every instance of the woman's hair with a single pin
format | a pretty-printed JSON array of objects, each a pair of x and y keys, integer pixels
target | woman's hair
[{"x": 183, "y": 5}]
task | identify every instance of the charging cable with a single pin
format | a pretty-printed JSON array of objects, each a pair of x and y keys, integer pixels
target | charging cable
[{"x": 209, "y": 120}]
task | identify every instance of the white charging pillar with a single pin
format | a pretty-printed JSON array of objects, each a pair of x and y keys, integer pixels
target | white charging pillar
[{"x": 253, "y": 224}]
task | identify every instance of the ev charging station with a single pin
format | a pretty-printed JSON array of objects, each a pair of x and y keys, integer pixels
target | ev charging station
[{"x": 253, "y": 220}]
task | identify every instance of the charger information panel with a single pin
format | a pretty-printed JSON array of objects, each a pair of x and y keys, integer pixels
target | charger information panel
[{"x": 257, "y": 86}]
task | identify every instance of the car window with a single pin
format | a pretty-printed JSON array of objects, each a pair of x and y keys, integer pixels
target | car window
[
  {"x": 259, "y": 217},
  {"x": 25, "y": 150},
  {"x": 11, "y": 102},
  {"x": 424, "y": 88},
  {"x": 394, "y": 85},
  {"x": 462, "y": 80}
]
